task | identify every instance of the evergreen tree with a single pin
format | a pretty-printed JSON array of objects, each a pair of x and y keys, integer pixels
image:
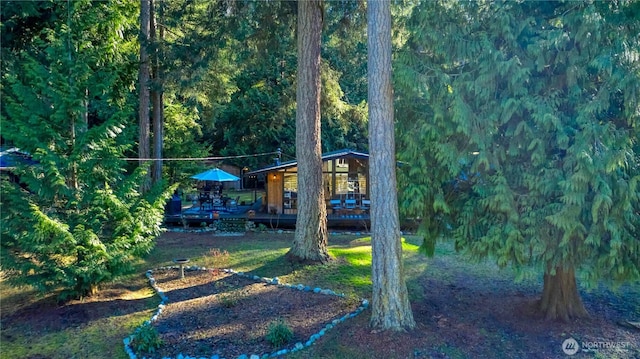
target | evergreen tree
[
  {"x": 182, "y": 133},
  {"x": 77, "y": 219},
  {"x": 520, "y": 121},
  {"x": 144, "y": 123},
  {"x": 189, "y": 79},
  {"x": 311, "y": 236},
  {"x": 157, "y": 93},
  {"x": 235, "y": 63},
  {"x": 390, "y": 308},
  {"x": 222, "y": 62},
  {"x": 344, "y": 77}
]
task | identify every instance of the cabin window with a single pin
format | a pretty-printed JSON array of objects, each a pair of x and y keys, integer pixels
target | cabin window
[{"x": 290, "y": 200}]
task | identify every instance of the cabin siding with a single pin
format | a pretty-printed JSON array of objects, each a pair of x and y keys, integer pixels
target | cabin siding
[{"x": 275, "y": 192}]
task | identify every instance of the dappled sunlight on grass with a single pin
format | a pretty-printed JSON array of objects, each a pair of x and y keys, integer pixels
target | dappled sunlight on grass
[
  {"x": 410, "y": 247},
  {"x": 357, "y": 256},
  {"x": 351, "y": 268},
  {"x": 409, "y": 243},
  {"x": 14, "y": 298},
  {"x": 108, "y": 295},
  {"x": 249, "y": 260},
  {"x": 351, "y": 271},
  {"x": 37, "y": 326},
  {"x": 363, "y": 241},
  {"x": 93, "y": 340},
  {"x": 337, "y": 275}
]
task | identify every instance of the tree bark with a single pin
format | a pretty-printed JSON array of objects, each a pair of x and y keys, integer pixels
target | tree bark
[
  {"x": 311, "y": 237},
  {"x": 390, "y": 305},
  {"x": 560, "y": 298},
  {"x": 143, "y": 86},
  {"x": 157, "y": 94}
]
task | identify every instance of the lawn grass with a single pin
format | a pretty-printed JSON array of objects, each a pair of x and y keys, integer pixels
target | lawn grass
[
  {"x": 349, "y": 272},
  {"x": 247, "y": 196},
  {"x": 261, "y": 254},
  {"x": 98, "y": 338}
]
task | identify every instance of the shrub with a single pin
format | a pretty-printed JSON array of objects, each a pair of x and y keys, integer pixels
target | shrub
[
  {"x": 229, "y": 300},
  {"x": 146, "y": 339},
  {"x": 72, "y": 244},
  {"x": 279, "y": 333},
  {"x": 234, "y": 225}
]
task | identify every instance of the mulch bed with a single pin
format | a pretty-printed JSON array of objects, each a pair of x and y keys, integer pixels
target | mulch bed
[{"x": 212, "y": 312}]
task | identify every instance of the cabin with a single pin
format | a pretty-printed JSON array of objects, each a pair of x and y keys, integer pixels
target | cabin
[{"x": 345, "y": 181}]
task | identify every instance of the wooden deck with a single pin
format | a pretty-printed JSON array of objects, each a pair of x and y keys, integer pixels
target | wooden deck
[{"x": 194, "y": 216}]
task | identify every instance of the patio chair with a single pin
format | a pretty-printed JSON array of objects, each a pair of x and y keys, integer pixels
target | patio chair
[
  {"x": 365, "y": 205},
  {"x": 350, "y": 204},
  {"x": 204, "y": 200},
  {"x": 217, "y": 204},
  {"x": 232, "y": 205},
  {"x": 336, "y": 205}
]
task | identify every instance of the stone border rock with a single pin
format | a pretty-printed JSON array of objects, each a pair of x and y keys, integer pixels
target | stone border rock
[{"x": 272, "y": 281}]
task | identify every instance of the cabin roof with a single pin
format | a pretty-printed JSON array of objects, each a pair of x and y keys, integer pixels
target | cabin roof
[
  {"x": 325, "y": 157},
  {"x": 10, "y": 158}
]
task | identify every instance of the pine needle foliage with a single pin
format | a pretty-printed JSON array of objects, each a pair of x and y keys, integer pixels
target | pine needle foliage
[
  {"x": 76, "y": 219},
  {"x": 520, "y": 124}
]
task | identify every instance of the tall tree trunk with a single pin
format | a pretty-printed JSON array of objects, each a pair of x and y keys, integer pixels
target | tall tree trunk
[
  {"x": 560, "y": 298},
  {"x": 84, "y": 126},
  {"x": 311, "y": 237},
  {"x": 76, "y": 130},
  {"x": 158, "y": 135},
  {"x": 72, "y": 179},
  {"x": 390, "y": 305},
  {"x": 157, "y": 92},
  {"x": 143, "y": 84}
]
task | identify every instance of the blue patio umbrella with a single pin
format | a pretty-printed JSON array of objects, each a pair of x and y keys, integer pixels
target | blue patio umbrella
[{"x": 217, "y": 175}]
